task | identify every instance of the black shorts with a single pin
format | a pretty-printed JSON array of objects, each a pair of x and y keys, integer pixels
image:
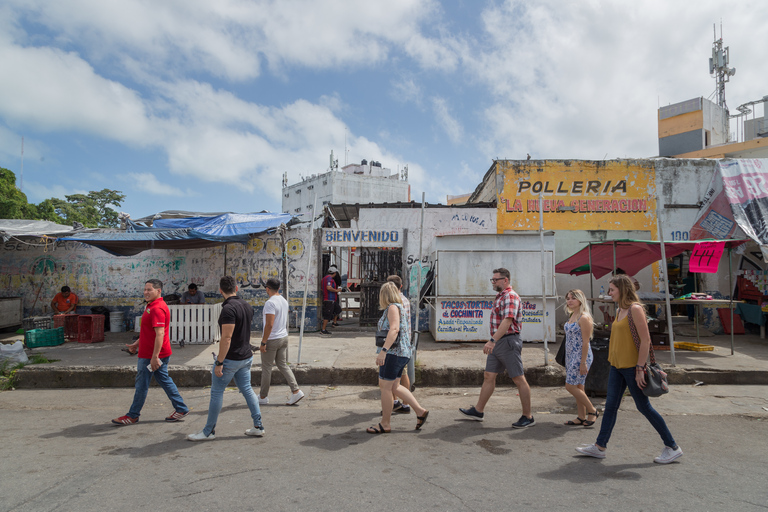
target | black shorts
[
  {"x": 336, "y": 308},
  {"x": 328, "y": 309}
]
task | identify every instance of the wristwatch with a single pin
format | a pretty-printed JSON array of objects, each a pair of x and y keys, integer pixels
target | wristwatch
[
  {"x": 492, "y": 340},
  {"x": 383, "y": 349},
  {"x": 219, "y": 363}
]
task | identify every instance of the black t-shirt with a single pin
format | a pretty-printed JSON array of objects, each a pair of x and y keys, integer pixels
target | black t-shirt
[{"x": 236, "y": 311}]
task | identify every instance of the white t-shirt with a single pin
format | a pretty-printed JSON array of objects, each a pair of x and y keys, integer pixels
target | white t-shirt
[{"x": 278, "y": 306}]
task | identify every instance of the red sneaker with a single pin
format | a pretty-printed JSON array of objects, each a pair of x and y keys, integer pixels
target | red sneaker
[
  {"x": 125, "y": 420},
  {"x": 176, "y": 416}
]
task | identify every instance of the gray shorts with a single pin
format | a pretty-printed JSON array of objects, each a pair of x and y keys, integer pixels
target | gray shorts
[{"x": 506, "y": 355}]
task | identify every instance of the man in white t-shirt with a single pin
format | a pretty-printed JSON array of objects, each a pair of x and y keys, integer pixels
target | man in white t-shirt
[{"x": 274, "y": 344}]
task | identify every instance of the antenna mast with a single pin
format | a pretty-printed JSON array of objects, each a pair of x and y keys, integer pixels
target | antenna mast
[{"x": 21, "y": 179}]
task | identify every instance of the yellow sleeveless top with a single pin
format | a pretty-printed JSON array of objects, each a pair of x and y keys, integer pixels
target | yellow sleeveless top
[{"x": 622, "y": 352}]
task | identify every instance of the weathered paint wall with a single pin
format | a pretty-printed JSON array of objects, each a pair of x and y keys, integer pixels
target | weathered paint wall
[
  {"x": 611, "y": 199},
  {"x": 603, "y": 195},
  {"x": 36, "y": 273},
  {"x": 437, "y": 222}
]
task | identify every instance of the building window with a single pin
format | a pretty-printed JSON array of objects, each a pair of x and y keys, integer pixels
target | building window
[
  {"x": 326, "y": 202},
  {"x": 287, "y": 195},
  {"x": 310, "y": 187},
  {"x": 297, "y": 210},
  {"x": 325, "y": 182}
]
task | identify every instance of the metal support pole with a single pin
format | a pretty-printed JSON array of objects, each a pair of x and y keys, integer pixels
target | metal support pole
[
  {"x": 543, "y": 280},
  {"x": 665, "y": 279},
  {"x": 306, "y": 278},
  {"x": 591, "y": 279},
  {"x": 730, "y": 280}
]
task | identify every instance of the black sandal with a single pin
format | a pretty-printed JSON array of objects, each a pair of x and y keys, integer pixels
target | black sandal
[
  {"x": 421, "y": 420},
  {"x": 596, "y": 414},
  {"x": 380, "y": 430},
  {"x": 580, "y": 423}
]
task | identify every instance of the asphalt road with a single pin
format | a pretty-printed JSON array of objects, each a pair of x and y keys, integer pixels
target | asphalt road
[{"x": 59, "y": 452}]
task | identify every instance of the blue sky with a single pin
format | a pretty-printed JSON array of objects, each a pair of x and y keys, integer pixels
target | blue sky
[{"x": 200, "y": 105}]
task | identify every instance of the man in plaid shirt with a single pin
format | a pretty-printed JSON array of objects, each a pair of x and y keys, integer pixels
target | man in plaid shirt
[{"x": 504, "y": 351}]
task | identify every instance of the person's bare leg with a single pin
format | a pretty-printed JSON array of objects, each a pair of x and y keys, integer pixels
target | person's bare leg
[
  {"x": 524, "y": 390},
  {"x": 387, "y": 401},
  {"x": 489, "y": 385},
  {"x": 407, "y": 397},
  {"x": 405, "y": 382}
]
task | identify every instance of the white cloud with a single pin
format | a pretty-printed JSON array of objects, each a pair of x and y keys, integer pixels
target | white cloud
[
  {"x": 447, "y": 122},
  {"x": 406, "y": 90},
  {"x": 55, "y": 90},
  {"x": 149, "y": 183},
  {"x": 229, "y": 37},
  {"x": 37, "y": 192},
  {"x": 584, "y": 79}
]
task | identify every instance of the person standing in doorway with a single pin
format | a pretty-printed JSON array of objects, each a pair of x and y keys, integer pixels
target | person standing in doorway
[
  {"x": 232, "y": 362},
  {"x": 274, "y": 344},
  {"x": 154, "y": 348},
  {"x": 504, "y": 351},
  {"x": 328, "y": 286}
]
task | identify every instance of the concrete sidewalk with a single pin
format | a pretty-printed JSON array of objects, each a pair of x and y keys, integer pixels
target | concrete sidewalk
[{"x": 347, "y": 358}]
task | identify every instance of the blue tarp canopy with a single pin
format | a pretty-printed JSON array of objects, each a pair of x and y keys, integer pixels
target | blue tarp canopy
[{"x": 187, "y": 233}]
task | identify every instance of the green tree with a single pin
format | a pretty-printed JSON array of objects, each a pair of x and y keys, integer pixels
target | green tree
[
  {"x": 14, "y": 204},
  {"x": 91, "y": 210}
]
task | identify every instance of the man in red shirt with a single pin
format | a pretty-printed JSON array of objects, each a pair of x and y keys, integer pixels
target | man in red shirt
[
  {"x": 154, "y": 346},
  {"x": 504, "y": 351}
]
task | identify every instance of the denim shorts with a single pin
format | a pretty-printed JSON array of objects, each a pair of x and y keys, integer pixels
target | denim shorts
[{"x": 393, "y": 367}]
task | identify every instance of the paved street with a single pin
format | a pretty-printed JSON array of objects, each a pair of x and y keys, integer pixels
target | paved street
[{"x": 61, "y": 453}]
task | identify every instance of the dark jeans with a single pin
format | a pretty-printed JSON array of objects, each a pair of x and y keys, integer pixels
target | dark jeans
[{"x": 618, "y": 381}]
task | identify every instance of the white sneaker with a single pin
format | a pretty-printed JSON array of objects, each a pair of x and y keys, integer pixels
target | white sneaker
[
  {"x": 263, "y": 401},
  {"x": 199, "y": 436},
  {"x": 295, "y": 397},
  {"x": 592, "y": 451},
  {"x": 255, "y": 431},
  {"x": 668, "y": 455}
]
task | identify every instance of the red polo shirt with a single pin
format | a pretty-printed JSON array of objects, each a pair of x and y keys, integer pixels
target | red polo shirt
[{"x": 156, "y": 315}]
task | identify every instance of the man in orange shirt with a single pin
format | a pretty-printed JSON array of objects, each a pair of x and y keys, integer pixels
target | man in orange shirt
[{"x": 64, "y": 302}]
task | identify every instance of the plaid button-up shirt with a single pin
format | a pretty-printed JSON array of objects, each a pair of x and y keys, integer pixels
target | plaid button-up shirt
[{"x": 506, "y": 305}]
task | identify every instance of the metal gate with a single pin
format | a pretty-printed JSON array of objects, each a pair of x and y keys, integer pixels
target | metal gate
[{"x": 375, "y": 266}]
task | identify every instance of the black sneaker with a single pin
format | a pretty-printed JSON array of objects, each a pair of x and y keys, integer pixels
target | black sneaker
[
  {"x": 472, "y": 413},
  {"x": 401, "y": 408},
  {"x": 325, "y": 333},
  {"x": 524, "y": 422}
]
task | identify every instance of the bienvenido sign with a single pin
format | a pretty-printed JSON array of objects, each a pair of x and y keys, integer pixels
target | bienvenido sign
[{"x": 339, "y": 237}]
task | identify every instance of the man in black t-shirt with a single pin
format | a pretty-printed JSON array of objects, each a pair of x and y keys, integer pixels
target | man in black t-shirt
[{"x": 233, "y": 361}]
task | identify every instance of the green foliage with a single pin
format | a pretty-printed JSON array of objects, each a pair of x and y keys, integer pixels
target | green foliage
[{"x": 91, "y": 210}]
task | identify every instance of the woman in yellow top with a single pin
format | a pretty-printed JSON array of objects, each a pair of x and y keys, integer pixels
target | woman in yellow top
[{"x": 627, "y": 371}]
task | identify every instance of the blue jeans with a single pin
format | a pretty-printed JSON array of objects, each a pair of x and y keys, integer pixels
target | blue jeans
[
  {"x": 241, "y": 372},
  {"x": 620, "y": 379},
  {"x": 144, "y": 376}
]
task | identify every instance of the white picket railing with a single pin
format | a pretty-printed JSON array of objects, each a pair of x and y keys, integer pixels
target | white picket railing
[{"x": 195, "y": 323}]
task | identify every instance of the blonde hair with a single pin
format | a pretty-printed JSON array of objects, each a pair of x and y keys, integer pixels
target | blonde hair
[
  {"x": 389, "y": 294},
  {"x": 582, "y": 310},
  {"x": 627, "y": 292}
]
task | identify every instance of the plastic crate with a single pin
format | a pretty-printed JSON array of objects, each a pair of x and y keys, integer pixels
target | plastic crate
[
  {"x": 70, "y": 323},
  {"x": 696, "y": 347},
  {"x": 90, "y": 328},
  {"x": 36, "y": 322},
  {"x": 44, "y": 337}
]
